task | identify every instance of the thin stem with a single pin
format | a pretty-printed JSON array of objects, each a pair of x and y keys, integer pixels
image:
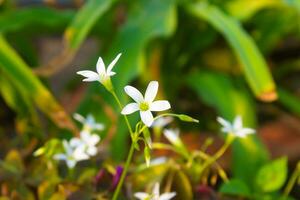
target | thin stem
[
  {"x": 219, "y": 153},
  {"x": 125, "y": 117},
  {"x": 292, "y": 180},
  {"x": 130, "y": 154}
]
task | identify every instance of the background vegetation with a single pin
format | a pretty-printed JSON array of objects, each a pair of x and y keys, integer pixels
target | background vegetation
[{"x": 226, "y": 58}]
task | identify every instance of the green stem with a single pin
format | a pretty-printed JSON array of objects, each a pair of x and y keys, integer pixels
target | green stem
[
  {"x": 130, "y": 154},
  {"x": 219, "y": 153},
  {"x": 292, "y": 181},
  {"x": 125, "y": 117}
]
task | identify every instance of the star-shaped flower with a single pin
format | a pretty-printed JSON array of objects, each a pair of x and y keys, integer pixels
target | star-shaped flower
[
  {"x": 89, "y": 123},
  {"x": 72, "y": 155},
  {"x": 87, "y": 142},
  {"x": 155, "y": 194},
  {"x": 145, "y": 104},
  {"x": 236, "y": 128},
  {"x": 102, "y": 75}
]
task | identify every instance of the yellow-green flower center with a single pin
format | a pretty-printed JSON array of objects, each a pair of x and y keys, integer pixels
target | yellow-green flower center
[{"x": 144, "y": 106}]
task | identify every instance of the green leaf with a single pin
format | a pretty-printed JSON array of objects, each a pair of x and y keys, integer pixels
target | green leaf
[
  {"x": 181, "y": 185},
  {"x": 218, "y": 91},
  {"x": 254, "y": 65},
  {"x": 235, "y": 187},
  {"x": 290, "y": 101},
  {"x": 187, "y": 118},
  {"x": 33, "y": 16},
  {"x": 147, "y": 155},
  {"x": 147, "y": 137},
  {"x": 272, "y": 176},
  {"x": 83, "y": 22},
  {"x": 20, "y": 74},
  {"x": 237, "y": 7}
]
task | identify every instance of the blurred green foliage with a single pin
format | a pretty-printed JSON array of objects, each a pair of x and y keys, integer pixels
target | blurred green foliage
[{"x": 212, "y": 57}]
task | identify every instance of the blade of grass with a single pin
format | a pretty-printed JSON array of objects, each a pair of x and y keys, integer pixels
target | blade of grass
[
  {"x": 18, "y": 72},
  {"x": 75, "y": 34},
  {"x": 254, "y": 65}
]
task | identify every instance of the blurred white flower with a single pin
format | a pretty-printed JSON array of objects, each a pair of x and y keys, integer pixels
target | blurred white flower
[
  {"x": 102, "y": 74},
  {"x": 162, "y": 122},
  {"x": 236, "y": 128},
  {"x": 155, "y": 194},
  {"x": 89, "y": 123},
  {"x": 71, "y": 155},
  {"x": 145, "y": 104},
  {"x": 173, "y": 136},
  {"x": 87, "y": 142}
]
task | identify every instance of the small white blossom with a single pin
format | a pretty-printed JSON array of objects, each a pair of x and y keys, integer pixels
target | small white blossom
[
  {"x": 236, "y": 128},
  {"x": 162, "y": 122},
  {"x": 89, "y": 123},
  {"x": 145, "y": 104},
  {"x": 71, "y": 155},
  {"x": 173, "y": 136},
  {"x": 155, "y": 194},
  {"x": 102, "y": 74},
  {"x": 87, "y": 142}
]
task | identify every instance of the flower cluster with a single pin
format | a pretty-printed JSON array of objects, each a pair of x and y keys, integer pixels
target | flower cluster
[
  {"x": 155, "y": 195},
  {"x": 82, "y": 148}
]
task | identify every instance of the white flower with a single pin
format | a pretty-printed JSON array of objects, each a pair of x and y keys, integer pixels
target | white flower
[
  {"x": 162, "y": 122},
  {"x": 72, "y": 155},
  {"x": 155, "y": 194},
  {"x": 236, "y": 128},
  {"x": 87, "y": 142},
  {"x": 89, "y": 123},
  {"x": 102, "y": 74},
  {"x": 145, "y": 104},
  {"x": 173, "y": 136}
]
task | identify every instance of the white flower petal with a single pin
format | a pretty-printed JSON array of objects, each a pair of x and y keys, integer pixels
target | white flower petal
[
  {"x": 134, "y": 93},
  {"x": 92, "y": 151},
  {"x": 244, "y": 132},
  {"x": 112, "y": 64},
  {"x": 79, "y": 154},
  {"x": 60, "y": 156},
  {"x": 155, "y": 191},
  {"x": 111, "y": 73},
  {"x": 93, "y": 140},
  {"x": 79, "y": 118},
  {"x": 147, "y": 117},
  {"x": 71, "y": 163},
  {"x": 167, "y": 196},
  {"x": 237, "y": 124},
  {"x": 224, "y": 122},
  {"x": 160, "y": 105},
  {"x": 130, "y": 108},
  {"x": 75, "y": 142},
  {"x": 172, "y": 135},
  {"x": 141, "y": 195},
  {"x": 90, "y": 75},
  {"x": 98, "y": 126},
  {"x": 151, "y": 91},
  {"x": 100, "y": 67}
]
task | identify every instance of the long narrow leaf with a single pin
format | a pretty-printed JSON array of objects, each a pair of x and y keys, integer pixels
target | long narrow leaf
[
  {"x": 84, "y": 20},
  {"x": 255, "y": 68},
  {"x": 75, "y": 34},
  {"x": 17, "y": 70}
]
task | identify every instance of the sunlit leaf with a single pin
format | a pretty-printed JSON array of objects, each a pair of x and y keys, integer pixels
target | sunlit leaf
[
  {"x": 84, "y": 20},
  {"x": 235, "y": 187},
  {"x": 272, "y": 176},
  {"x": 18, "y": 72},
  {"x": 254, "y": 65}
]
